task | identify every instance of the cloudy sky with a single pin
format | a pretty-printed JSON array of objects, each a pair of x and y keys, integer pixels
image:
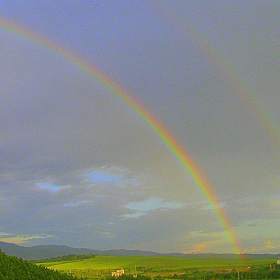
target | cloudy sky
[{"x": 79, "y": 166}]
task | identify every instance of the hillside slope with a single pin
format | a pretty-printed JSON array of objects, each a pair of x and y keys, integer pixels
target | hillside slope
[{"x": 12, "y": 268}]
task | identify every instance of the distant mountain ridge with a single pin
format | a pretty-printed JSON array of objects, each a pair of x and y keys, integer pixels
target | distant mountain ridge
[{"x": 52, "y": 251}]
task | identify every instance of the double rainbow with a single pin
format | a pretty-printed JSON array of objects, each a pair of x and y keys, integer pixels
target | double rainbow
[{"x": 172, "y": 144}]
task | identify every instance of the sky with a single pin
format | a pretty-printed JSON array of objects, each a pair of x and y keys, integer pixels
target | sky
[{"x": 80, "y": 166}]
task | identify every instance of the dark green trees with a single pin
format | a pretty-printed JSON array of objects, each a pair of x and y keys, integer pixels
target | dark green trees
[{"x": 12, "y": 268}]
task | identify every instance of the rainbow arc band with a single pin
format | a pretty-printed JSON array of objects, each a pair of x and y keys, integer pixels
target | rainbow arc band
[
  {"x": 226, "y": 69},
  {"x": 171, "y": 143}
]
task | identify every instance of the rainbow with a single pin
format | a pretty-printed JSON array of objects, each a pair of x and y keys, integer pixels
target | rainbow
[
  {"x": 172, "y": 144},
  {"x": 226, "y": 70}
]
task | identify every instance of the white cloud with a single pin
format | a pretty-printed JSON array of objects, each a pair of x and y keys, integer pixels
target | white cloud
[
  {"x": 141, "y": 208},
  {"x": 22, "y": 238},
  {"x": 153, "y": 204}
]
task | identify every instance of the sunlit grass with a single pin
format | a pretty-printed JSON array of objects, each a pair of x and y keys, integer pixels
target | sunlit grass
[{"x": 102, "y": 266}]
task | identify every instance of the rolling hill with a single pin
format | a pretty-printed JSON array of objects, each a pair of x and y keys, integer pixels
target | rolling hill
[{"x": 51, "y": 251}]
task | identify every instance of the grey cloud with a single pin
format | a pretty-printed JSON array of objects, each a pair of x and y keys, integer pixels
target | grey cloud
[{"x": 59, "y": 124}]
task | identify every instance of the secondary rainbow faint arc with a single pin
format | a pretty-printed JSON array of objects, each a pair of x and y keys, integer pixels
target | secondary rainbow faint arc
[
  {"x": 173, "y": 145},
  {"x": 226, "y": 69}
]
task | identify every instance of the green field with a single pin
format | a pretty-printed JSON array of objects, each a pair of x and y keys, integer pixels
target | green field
[{"x": 101, "y": 266}]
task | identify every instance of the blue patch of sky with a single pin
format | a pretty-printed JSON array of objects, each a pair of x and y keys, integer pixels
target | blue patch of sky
[
  {"x": 51, "y": 186},
  {"x": 118, "y": 179},
  {"x": 102, "y": 177}
]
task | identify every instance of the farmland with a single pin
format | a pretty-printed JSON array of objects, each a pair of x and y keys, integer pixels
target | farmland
[{"x": 96, "y": 267}]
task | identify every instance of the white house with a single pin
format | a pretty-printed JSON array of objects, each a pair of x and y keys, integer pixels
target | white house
[{"x": 118, "y": 273}]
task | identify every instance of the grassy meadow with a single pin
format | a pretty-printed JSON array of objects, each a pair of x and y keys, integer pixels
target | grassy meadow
[{"x": 101, "y": 266}]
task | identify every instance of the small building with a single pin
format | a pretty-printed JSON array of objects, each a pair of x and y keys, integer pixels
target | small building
[{"x": 118, "y": 273}]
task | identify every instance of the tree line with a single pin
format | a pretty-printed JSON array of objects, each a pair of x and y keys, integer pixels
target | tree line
[{"x": 69, "y": 257}]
